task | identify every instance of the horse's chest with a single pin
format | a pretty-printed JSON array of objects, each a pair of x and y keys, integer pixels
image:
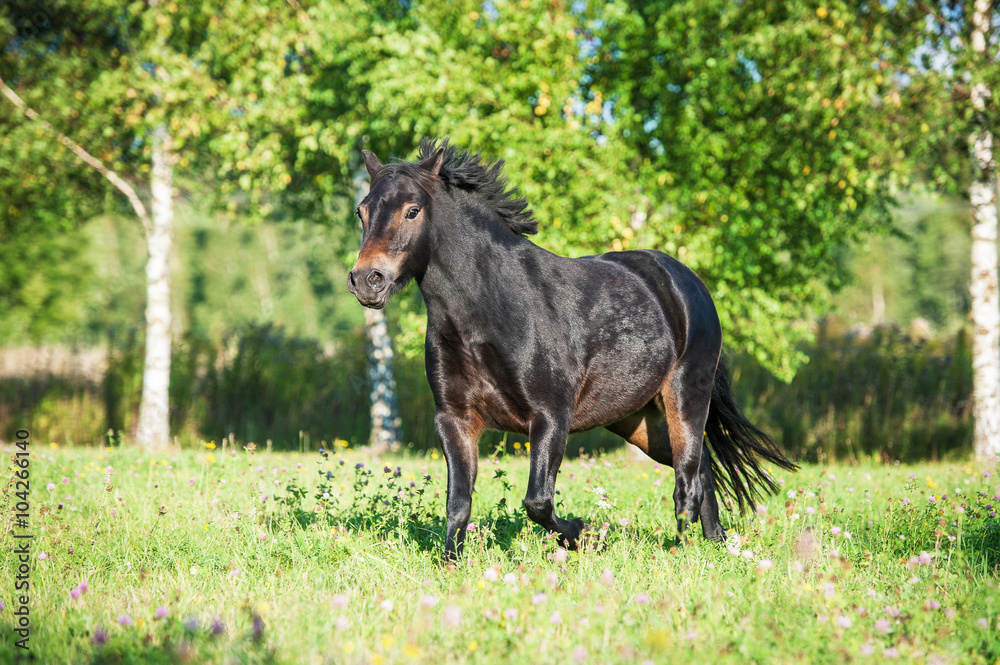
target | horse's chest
[{"x": 483, "y": 379}]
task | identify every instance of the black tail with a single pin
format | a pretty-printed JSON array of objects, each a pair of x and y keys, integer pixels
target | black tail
[{"x": 738, "y": 447}]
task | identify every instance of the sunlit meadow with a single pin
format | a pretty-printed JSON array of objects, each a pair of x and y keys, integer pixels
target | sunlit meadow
[{"x": 238, "y": 555}]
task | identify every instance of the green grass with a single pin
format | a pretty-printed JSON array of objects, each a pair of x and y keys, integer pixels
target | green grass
[{"x": 356, "y": 580}]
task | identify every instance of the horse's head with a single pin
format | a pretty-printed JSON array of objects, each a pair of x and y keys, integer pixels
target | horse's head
[{"x": 394, "y": 217}]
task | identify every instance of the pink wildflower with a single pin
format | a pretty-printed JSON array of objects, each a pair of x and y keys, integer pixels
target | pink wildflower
[{"x": 452, "y": 616}]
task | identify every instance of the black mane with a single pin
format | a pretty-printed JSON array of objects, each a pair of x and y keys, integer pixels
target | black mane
[{"x": 471, "y": 172}]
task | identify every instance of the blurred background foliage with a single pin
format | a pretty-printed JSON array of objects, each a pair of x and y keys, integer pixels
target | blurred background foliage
[
  {"x": 269, "y": 345},
  {"x": 720, "y": 132}
]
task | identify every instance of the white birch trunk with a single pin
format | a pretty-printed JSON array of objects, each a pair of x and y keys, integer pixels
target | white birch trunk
[
  {"x": 153, "y": 432},
  {"x": 386, "y": 423},
  {"x": 983, "y": 287}
]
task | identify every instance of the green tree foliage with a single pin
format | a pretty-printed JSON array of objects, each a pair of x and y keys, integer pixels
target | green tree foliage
[
  {"x": 743, "y": 138},
  {"x": 755, "y": 132},
  {"x": 754, "y": 141},
  {"x": 107, "y": 75}
]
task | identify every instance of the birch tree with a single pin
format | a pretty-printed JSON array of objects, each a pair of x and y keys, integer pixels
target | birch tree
[
  {"x": 134, "y": 94},
  {"x": 943, "y": 57},
  {"x": 983, "y": 198}
]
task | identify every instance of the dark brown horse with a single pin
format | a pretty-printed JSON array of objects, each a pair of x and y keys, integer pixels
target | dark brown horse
[{"x": 522, "y": 340}]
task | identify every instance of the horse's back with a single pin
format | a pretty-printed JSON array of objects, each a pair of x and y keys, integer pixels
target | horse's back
[{"x": 683, "y": 296}]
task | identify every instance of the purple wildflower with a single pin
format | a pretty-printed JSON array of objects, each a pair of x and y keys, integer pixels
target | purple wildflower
[{"x": 257, "y": 627}]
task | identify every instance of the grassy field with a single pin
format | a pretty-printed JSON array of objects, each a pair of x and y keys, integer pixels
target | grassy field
[{"x": 252, "y": 557}]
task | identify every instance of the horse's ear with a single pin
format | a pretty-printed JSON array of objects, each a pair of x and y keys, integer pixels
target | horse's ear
[
  {"x": 433, "y": 163},
  {"x": 371, "y": 162}
]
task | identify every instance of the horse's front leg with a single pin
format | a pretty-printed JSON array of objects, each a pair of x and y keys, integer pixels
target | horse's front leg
[
  {"x": 460, "y": 440},
  {"x": 547, "y": 434}
]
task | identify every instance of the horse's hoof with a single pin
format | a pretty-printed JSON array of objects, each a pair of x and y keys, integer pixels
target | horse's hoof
[{"x": 570, "y": 538}]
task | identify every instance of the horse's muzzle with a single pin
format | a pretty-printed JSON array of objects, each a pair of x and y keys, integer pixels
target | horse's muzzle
[{"x": 369, "y": 286}]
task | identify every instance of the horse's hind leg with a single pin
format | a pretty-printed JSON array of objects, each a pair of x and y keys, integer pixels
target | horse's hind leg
[
  {"x": 647, "y": 430},
  {"x": 548, "y": 445},
  {"x": 711, "y": 526},
  {"x": 685, "y": 406}
]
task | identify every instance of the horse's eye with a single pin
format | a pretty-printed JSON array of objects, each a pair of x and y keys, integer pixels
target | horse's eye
[
  {"x": 412, "y": 212},
  {"x": 358, "y": 213}
]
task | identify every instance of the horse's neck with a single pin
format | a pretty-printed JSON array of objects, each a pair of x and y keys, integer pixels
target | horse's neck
[{"x": 468, "y": 254}]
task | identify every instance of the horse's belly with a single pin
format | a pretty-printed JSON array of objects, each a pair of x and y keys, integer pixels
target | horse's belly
[{"x": 616, "y": 385}]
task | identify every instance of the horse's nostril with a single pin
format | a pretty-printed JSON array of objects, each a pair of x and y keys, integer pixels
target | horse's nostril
[
  {"x": 350, "y": 281},
  {"x": 376, "y": 280}
]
